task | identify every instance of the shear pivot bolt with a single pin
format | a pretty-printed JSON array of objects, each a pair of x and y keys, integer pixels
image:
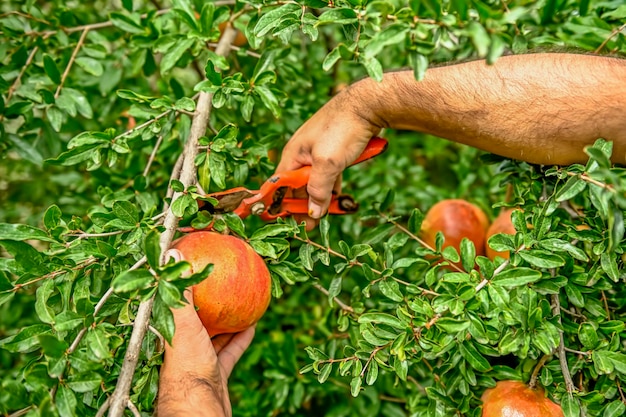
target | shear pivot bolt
[{"x": 257, "y": 208}]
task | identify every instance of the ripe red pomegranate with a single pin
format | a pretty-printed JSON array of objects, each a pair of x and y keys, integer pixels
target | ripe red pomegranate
[
  {"x": 238, "y": 291},
  {"x": 516, "y": 399},
  {"x": 456, "y": 219}
]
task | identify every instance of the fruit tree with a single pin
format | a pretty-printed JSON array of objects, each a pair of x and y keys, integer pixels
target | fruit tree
[{"x": 119, "y": 117}]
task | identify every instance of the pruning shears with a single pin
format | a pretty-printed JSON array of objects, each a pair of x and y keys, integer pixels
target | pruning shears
[{"x": 270, "y": 202}]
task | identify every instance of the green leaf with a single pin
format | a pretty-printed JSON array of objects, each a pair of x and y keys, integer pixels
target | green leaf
[
  {"x": 84, "y": 382},
  {"x": 391, "y": 35},
  {"x": 473, "y": 357},
  {"x": 615, "y": 408},
  {"x": 127, "y": 212},
  {"x": 419, "y": 63},
  {"x": 269, "y": 230},
  {"x": 186, "y": 104},
  {"x": 264, "y": 248},
  {"x": 340, "y": 16},
  {"x": 51, "y": 69},
  {"x": 390, "y": 289},
  {"x": 541, "y": 259},
  {"x": 21, "y": 232},
  {"x": 609, "y": 265},
  {"x": 152, "y": 248},
  {"x": 27, "y": 340},
  {"x": 331, "y": 59},
  {"x": 372, "y": 373},
  {"x": 52, "y": 346},
  {"x": 571, "y": 189},
  {"x": 269, "y": 99},
  {"x": 306, "y": 259},
  {"x": 355, "y": 386},
  {"x": 588, "y": 335},
  {"x": 90, "y": 65},
  {"x": 65, "y": 401},
  {"x": 163, "y": 319},
  {"x": 133, "y": 280},
  {"x": 212, "y": 75},
  {"x": 479, "y": 36},
  {"x": 325, "y": 372},
  {"x": 126, "y": 23},
  {"x": 373, "y": 67},
  {"x": 450, "y": 325},
  {"x": 97, "y": 342},
  {"x": 516, "y": 277},
  {"x": 273, "y": 18},
  {"x": 602, "y": 362},
  {"x": 44, "y": 311},
  {"x": 570, "y": 406},
  {"x": 171, "y": 57},
  {"x": 382, "y": 318},
  {"x": 468, "y": 254}
]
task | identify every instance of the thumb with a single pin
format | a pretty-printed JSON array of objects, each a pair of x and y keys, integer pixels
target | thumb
[{"x": 324, "y": 175}]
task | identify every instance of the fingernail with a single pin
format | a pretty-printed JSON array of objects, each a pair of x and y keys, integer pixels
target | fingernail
[{"x": 315, "y": 211}]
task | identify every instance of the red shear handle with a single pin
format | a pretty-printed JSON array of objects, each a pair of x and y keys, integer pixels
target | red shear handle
[{"x": 374, "y": 147}]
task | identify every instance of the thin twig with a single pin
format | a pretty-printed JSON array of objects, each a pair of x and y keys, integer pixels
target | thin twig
[
  {"x": 499, "y": 269},
  {"x": 621, "y": 393},
  {"x": 340, "y": 303},
  {"x": 120, "y": 396},
  {"x": 613, "y": 33},
  {"x": 578, "y": 352},
  {"x": 157, "y": 145},
  {"x": 103, "y": 409},
  {"x": 237, "y": 49},
  {"x": 21, "y": 412},
  {"x": 567, "y": 376},
  {"x": 533, "y": 377},
  {"x": 144, "y": 124},
  {"x": 585, "y": 177},
  {"x": 71, "y": 62},
  {"x": 17, "y": 81},
  {"x": 84, "y": 264},
  {"x": 133, "y": 409},
  {"x": 85, "y": 235}
]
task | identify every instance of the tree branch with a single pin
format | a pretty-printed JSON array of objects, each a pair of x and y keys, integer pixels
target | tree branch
[
  {"x": 120, "y": 397},
  {"x": 71, "y": 62},
  {"x": 17, "y": 81}
]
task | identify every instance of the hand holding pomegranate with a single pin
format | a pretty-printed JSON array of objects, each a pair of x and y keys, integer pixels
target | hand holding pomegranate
[{"x": 196, "y": 367}]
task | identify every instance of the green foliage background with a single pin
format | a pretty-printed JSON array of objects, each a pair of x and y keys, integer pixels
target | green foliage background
[{"x": 91, "y": 90}]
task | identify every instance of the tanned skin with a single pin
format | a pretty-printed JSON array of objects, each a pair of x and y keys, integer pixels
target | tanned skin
[
  {"x": 540, "y": 108},
  {"x": 195, "y": 371}
]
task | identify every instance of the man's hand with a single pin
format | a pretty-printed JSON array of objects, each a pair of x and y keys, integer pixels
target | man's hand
[
  {"x": 329, "y": 142},
  {"x": 196, "y": 368}
]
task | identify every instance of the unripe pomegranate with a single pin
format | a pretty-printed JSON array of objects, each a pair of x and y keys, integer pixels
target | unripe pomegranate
[
  {"x": 502, "y": 224},
  {"x": 456, "y": 219},
  {"x": 238, "y": 291},
  {"x": 514, "y": 398}
]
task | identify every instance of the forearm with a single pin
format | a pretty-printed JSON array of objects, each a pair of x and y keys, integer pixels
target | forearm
[
  {"x": 190, "y": 396},
  {"x": 541, "y": 108}
]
